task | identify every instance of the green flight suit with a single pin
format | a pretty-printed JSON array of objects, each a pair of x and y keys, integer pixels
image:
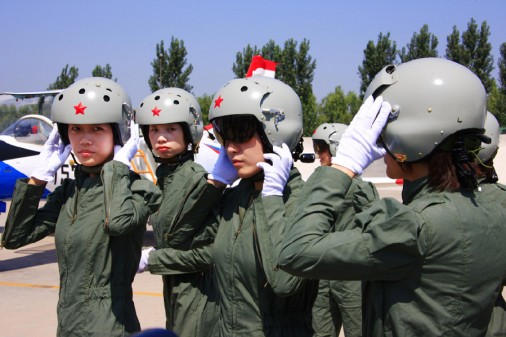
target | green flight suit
[
  {"x": 339, "y": 303},
  {"x": 187, "y": 201},
  {"x": 433, "y": 266},
  {"x": 99, "y": 225},
  {"x": 255, "y": 297},
  {"x": 497, "y": 324}
]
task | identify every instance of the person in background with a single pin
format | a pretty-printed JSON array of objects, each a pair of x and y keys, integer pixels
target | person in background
[
  {"x": 488, "y": 180},
  {"x": 339, "y": 303},
  {"x": 171, "y": 123},
  {"x": 99, "y": 218},
  {"x": 434, "y": 264}
]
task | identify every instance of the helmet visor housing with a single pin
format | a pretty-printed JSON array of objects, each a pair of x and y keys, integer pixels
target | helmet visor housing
[
  {"x": 275, "y": 106},
  {"x": 171, "y": 105},
  {"x": 432, "y": 99},
  {"x": 93, "y": 100},
  {"x": 331, "y": 134}
]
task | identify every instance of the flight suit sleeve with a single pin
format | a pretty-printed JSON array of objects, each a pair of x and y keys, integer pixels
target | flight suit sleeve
[
  {"x": 170, "y": 261},
  {"x": 26, "y": 223},
  {"x": 383, "y": 242},
  {"x": 196, "y": 207},
  {"x": 271, "y": 218},
  {"x": 128, "y": 202}
]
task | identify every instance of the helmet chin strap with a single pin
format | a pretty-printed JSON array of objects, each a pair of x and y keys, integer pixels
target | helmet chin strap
[
  {"x": 176, "y": 160},
  {"x": 466, "y": 174}
]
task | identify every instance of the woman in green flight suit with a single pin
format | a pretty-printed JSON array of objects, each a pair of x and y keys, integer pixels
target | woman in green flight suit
[
  {"x": 434, "y": 264},
  {"x": 258, "y": 120},
  {"x": 339, "y": 303},
  {"x": 99, "y": 218},
  {"x": 488, "y": 180},
  {"x": 171, "y": 122}
]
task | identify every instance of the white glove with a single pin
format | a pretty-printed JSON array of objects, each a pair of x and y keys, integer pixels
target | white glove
[
  {"x": 126, "y": 152},
  {"x": 52, "y": 157},
  {"x": 224, "y": 171},
  {"x": 276, "y": 175},
  {"x": 143, "y": 263},
  {"x": 357, "y": 148}
]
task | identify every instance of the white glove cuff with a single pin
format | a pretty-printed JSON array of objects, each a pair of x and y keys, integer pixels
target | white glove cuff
[
  {"x": 344, "y": 161},
  {"x": 43, "y": 174},
  {"x": 218, "y": 178}
]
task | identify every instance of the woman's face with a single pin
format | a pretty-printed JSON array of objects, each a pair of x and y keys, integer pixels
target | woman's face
[
  {"x": 394, "y": 169},
  {"x": 245, "y": 156},
  {"x": 167, "y": 140},
  {"x": 92, "y": 144},
  {"x": 322, "y": 152}
]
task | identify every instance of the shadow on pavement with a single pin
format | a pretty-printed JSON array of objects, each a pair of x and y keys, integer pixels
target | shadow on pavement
[{"x": 30, "y": 257}]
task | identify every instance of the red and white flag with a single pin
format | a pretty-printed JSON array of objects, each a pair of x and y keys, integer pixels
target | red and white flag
[{"x": 261, "y": 66}]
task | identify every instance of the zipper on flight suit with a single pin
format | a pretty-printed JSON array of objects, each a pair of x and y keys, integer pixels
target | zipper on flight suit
[
  {"x": 172, "y": 229},
  {"x": 107, "y": 203}
]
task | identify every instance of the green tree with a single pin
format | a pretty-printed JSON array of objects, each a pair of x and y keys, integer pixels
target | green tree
[
  {"x": 423, "y": 44},
  {"x": 337, "y": 107},
  {"x": 99, "y": 71},
  {"x": 295, "y": 68},
  {"x": 243, "y": 60},
  {"x": 10, "y": 113},
  {"x": 376, "y": 57},
  {"x": 205, "y": 103},
  {"x": 473, "y": 50},
  {"x": 65, "y": 79},
  {"x": 169, "y": 67},
  {"x": 496, "y": 102}
]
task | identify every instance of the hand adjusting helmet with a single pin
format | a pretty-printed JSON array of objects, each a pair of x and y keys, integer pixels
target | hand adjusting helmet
[
  {"x": 171, "y": 105},
  {"x": 331, "y": 134},
  {"x": 273, "y": 104},
  {"x": 93, "y": 100},
  {"x": 432, "y": 99}
]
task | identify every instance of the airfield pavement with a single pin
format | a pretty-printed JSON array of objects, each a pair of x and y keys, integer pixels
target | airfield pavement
[{"x": 29, "y": 275}]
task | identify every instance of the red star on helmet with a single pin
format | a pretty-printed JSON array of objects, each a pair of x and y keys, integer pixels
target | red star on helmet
[
  {"x": 80, "y": 108},
  {"x": 217, "y": 102},
  {"x": 156, "y": 111}
]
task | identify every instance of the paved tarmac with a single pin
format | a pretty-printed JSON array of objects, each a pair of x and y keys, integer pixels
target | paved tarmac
[{"x": 29, "y": 275}]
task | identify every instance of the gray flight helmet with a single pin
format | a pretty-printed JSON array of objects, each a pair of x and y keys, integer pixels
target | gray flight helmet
[
  {"x": 274, "y": 104},
  {"x": 431, "y": 98},
  {"x": 492, "y": 130},
  {"x": 171, "y": 105},
  {"x": 331, "y": 134},
  {"x": 93, "y": 100}
]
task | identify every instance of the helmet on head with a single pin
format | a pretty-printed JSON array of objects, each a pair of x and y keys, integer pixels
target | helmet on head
[
  {"x": 492, "y": 130},
  {"x": 331, "y": 134},
  {"x": 93, "y": 100},
  {"x": 273, "y": 103},
  {"x": 171, "y": 105},
  {"x": 431, "y": 98}
]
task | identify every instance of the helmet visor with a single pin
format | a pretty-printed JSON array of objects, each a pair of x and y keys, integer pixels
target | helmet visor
[{"x": 235, "y": 128}]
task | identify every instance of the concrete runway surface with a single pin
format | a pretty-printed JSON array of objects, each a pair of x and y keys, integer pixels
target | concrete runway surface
[{"x": 29, "y": 275}]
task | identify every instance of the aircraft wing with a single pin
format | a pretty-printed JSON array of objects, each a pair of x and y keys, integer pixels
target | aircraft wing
[{"x": 32, "y": 94}]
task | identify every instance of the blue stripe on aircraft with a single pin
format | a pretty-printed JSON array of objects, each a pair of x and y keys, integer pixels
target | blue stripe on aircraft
[
  {"x": 8, "y": 177},
  {"x": 214, "y": 148}
]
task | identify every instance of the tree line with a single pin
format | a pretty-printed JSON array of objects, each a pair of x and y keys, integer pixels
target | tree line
[{"x": 296, "y": 67}]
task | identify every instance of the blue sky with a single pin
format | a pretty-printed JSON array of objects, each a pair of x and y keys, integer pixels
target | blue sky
[{"x": 40, "y": 37}]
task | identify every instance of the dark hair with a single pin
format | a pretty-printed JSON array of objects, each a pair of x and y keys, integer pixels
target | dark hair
[
  {"x": 240, "y": 128},
  {"x": 487, "y": 172},
  {"x": 320, "y": 146},
  {"x": 63, "y": 130},
  {"x": 452, "y": 167}
]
